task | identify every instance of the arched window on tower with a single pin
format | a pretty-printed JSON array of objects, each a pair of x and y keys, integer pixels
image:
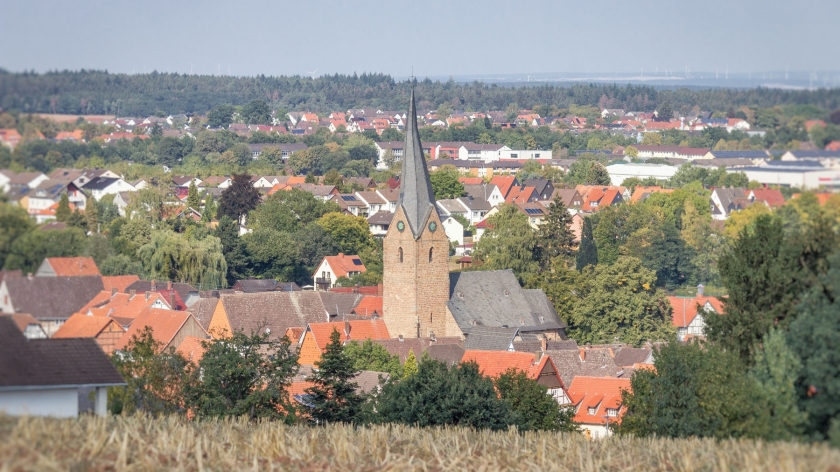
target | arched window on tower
[
  {"x": 431, "y": 251},
  {"x": 401, "y": 255}
]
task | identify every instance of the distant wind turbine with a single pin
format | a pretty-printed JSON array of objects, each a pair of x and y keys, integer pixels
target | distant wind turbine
[{"x": 312, "y": 73}]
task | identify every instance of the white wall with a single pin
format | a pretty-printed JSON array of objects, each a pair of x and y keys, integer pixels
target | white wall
[
  {"x": 62, "y": 403},
  {"x": 596, "y": 430},
  {"x": 619, "y": 172},
  {"x": 803, "y": 180}
]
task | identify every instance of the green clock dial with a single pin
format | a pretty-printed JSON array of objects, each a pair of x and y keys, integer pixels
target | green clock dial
[
  {"x": 432, "y": 226},
  {"x": 401, "y": 226}
]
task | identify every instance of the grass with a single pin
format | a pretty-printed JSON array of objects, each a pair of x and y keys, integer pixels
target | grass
[{"x": 138, "y": 443}]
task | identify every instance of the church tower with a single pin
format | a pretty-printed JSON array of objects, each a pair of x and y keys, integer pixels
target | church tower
[{"x": 416, "y": 249}]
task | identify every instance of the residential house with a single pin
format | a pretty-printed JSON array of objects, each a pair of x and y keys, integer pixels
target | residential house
[
  {"x": 274, "y": 313},
  {"x": 570, "y": 197},
  {"x": 687, "y": 314},
  {"x": 597, "y": 402},
  {"x": 454, "y": 230},
  {"x": 46, "y": 377},
  {"x": 122, "y": 200},
  {"x": 486, "y": 338},
  {"x": 369, "y": 306},
  {"x": 504, "y": 183},
  {"x": 374, "y": 202},
  {"x": 256, "y": 286},
  {"x": 332, "y": 268},
  {"x": 104, "y": 330},
  {"x": 601, "y": 197},
  {"x": 67, "y": 267},
  {"x": 10, "y": 137},
  {"x": 10, "y": 178},
  {"x": 313, "y": 342},
  {"x": 445, "y": 349},
  {"x": 101, "y": 186},
  {"x": 351, "y": 204},
  {"x": 679, "y": 152},
  {"x": 28, "y": 325},
  {"x": 522, "y": 194},
  {"x": 482, "y": 152},
  {"x": 118, "y": 282},
  {"x": 169, "y": 328},
  {"x": 641, "y": 193},
  {"x": 391, "y": 195},
  {"x": 380, "y": 222},
  {"x": 184, "y": 294},
  {"x": 536, "y": 212},
  {"x": 771, "y": 197},
  {"x": 537, "y": 367},
  {"x": 286, "y": 149},
  {"x": 543, "y": 187},
  {"x": 726, "y": 200},
  {"x": 484, "y": 191},
  {"x": 49, "y": 192},
  {"x": 50, "y": 300},
  {"x": 124, "y": 307},
  {"x": 621, "y": 172}
]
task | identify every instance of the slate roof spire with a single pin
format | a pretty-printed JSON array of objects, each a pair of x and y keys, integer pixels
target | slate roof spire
[{"x": 416, "y": 196}]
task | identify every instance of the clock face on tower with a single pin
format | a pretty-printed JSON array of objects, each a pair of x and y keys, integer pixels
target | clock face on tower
[
  {"x": 401, "y": 226},
  {"x": 432, "y": 226}
]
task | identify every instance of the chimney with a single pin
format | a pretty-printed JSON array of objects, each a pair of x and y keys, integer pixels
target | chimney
[
  {"x": 172, "y": 300},
  {"x": 113, "y": 291},
  {"x": 169, "y": 285},
  {"x": 432, "y": 337},
  {"x": 401, "y": 338},
  {"x": 341, "y": 255},
  {"x": 214, "y": 293},
  {"x": 154, "y": 286},
  {"x": 147, "y": 295},
  {"x": 537, "y": 357},
  {"x": 347, "y": 329},
  {"x": 543, "y": 343},
  {"x": 582, "y": 354},
  {"x": 29, "y": 276},
  {"x": 700, "y": 290},
  {"x": 379, "y": 289},
  {"x": 132, "y": 293}
]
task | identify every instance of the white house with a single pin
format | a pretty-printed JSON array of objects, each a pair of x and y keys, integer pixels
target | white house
[
  {"x": 101, "y": 186},
  {"x": 332, "y": 268},
  {"x": 597, "y": 403},
  {"x": 454, "y": 230},
  {"x": 482, "y": 152},
  {"x": 47, "y": 377},
  {"x": 687, "y": 318},
  {"x": 524, "y": 154}
]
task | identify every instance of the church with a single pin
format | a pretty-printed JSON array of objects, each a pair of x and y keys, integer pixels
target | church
[{"x": 421, "y": 298}]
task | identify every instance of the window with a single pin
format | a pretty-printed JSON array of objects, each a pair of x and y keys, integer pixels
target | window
[
  {"x": 401, "y": 255},
  {"x": 591, "y": 410},
  {"x": 431, "y": 250},
  {"x": 613, "y": 412},
  {"x": 514, "y": 155},
  {"x": 537, "y": 156}
]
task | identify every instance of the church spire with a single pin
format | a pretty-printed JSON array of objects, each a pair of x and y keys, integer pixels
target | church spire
[{"x": 416, "y": 196}]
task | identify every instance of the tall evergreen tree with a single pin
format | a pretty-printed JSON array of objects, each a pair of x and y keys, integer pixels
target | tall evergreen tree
[
  {"x": 193, "y": 199},
  {"x": 238, "y": 199},
  {"x": 63, "y": 212},
  {"x": 555, "y": 237},
  {"x": 588, "y": 253},
  {"x": 333, "y": 398},
  {"x": 777, "y": 368},
  {"x": 92, "y": 215}
]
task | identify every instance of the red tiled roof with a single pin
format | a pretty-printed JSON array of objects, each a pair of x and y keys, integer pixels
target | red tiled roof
[
  {"x": 642, "y": 190},
  {"x": 165, "y": 325},
  {"x": 191, "y": 349},
  {"x": 685, "y": 309},
  {"x": 364, "y": 290},
  {"x": 120, "y": 305},
  {"x": 73, "y": 266},
  {"x": 22, "y": 320},
  {"x": 359, "y": 331},
  {"x": 370, "y": 305},
  {"x": 343, "y": 264},
  {"x": 471, "y": 180},
  {"x": 773, "y": 197},
  {"x": 833, "y": 146},
  {"x": 83, "y": 326},
  {"x": 504, "y": 183},
  {"x": 520, "y": 194},
  {"x": 496, "y": 363},
  {"x": 596, "y": 392},
  {"x": 119, "y": 282}
]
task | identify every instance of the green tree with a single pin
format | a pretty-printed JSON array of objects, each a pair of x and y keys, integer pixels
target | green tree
[
  {"x": 333, "y": 397},
  {"x": 193, "y": 199},
  {"x": 155, "y": 378},
  {"x": 814, "y": 336},
  {"x": 776, "y": 369},
  {"x": 244, "y": 375},
  {"x": 554, "y": 236},
  {"x": 209, "y": 212},
  {"x": 92, "y": 215},
  {"x": 410, "y": 368},
  {"x": 271, "y": 254},
  {"x": 440, "y": 395},
  {"x": 120, "y": 264},
  {"x": 350, "y": 233},
  {"x": 445, "y": 183},
  {"x": 63, "y": 212},
  {"x": 374, "y": 357},
  {"x": 239, "y": 198},
  {"x": 587, "y": 254},
  {"x": 220, "y": 117},
  {"x": 531, "y": 404},
  {"x": 29, "y": 249},
  {"x": 256, "y": 112},
  {"x": 333, "y": 177},
  {"x": 14, "y": 223},
  {"x": 508, "y": 243},
  {"x": 766, "y": 272},
  {"x": 620, "y": 303},
  {"x": 695, "y": 391},
  {"x": 171, "y": 256}
]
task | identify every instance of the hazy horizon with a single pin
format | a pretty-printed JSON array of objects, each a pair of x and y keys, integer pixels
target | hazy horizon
[{"x": 471, "y": 38}]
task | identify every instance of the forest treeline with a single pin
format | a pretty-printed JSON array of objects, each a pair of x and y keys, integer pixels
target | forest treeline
[{"x": 100, "y": 92}]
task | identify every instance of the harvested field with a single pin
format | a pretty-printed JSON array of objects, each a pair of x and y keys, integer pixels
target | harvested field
[
  {"x": 72, "y": 118},
  {"x": 138, "y": 443}
]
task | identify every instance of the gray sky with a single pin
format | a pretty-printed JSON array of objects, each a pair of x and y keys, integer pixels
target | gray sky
[{"x": 436, "y": 37}]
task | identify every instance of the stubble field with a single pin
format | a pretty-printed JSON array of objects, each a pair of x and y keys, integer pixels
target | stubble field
[{"x": 138, "y": 443}]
